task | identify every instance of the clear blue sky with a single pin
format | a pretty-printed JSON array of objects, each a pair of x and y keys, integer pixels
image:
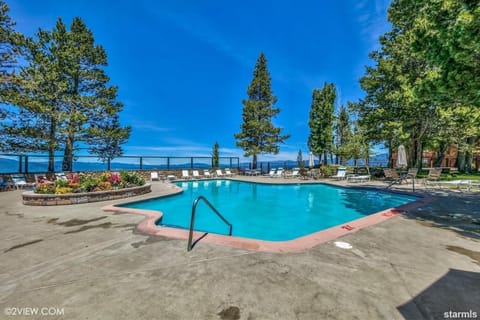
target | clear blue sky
[{"x": 183, "y": 66}]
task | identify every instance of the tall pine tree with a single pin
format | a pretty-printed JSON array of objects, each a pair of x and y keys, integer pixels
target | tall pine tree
[
  {"x": 8, "y": 43},
  {"x": 258, "y": 134},
  {"x": 322, "y": 120},
  {"x": 62, "y": 97},
  {"x": 343, "y": 135},
  {"x": 9, "y": 51}
]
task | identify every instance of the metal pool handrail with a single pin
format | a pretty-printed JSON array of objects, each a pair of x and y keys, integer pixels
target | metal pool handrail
[{"x": 192, "y": 219}]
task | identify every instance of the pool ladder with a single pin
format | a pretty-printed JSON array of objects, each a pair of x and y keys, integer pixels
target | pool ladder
[{"x": 192, "y": 219}]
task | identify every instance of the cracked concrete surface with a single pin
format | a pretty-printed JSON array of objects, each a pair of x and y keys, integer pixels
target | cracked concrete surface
[{"x": 95, "y": 266}]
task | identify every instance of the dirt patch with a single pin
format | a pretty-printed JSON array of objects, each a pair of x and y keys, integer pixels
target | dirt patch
[
  {"x": 230, "y": 313},
  {"x": 22, "y": 245},
  {"x": 474, "y": 255}
]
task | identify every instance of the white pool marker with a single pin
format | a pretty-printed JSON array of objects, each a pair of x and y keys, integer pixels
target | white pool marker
[{"x": 343, "y": 245}]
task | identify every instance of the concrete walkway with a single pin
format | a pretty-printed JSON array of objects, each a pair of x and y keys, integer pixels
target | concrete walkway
[{"x": 91, "y": 264}]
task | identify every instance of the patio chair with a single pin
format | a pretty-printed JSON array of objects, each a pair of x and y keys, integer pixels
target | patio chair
[
  {"x": 207, "y": 174},
  {"x": 19, "y": 182},
  {"x": 315, "y": 173},
  {"x": 474, "y": 184},
  {"x": 228, "y": 173},
  {"x": 358, "y": 178},
  {"x": 4, "y": 185},
  {"x": 391, "y": 176},
  {"x": 294, "y": 174},
  {"x": 278, "y": 173},
  {"x": 61, "y": 176},
  {"x": 219, "y": 173},
  {"x": 456, "y": 183},
  {"x": 154, "y": 176},
  {"x": 195, "y": 174},
  {"x": 185, "y": 174},
  {"x": 271, "y": 173},
  {"x": 341, "y": 173},
  {"x": 411, "y": 174},
  {"x": 432, "y": 178}
]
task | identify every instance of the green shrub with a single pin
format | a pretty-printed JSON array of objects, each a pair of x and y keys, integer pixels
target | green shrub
[
  {"x": 131, "y": 178},
  {"x": 88, "y": 183},
  {"x": 61, "y": 183}
]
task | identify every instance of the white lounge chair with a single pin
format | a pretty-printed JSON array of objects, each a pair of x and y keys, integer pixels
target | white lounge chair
[
  {"x": 195, "y": 174},
  {"x": 61, "y": 176},
  {"x": 279, "y": 173},
  {"x": 185, "y": 174},
  {"x": 474, "y": 184},
  {"x": 358, "y": 178},
  {"x": 455, "y": 183},
  {"x": 219, "y": 173},
  {"x": 294, "y": 174},
  {"x": 19, "y": 182},
  {"x": 228, "y": 173},
  {"x": 207, "y": 174},
  {"x": 154, "y": 176},
  {"x": 341, "y": 174},
  {"x": 271, "y": 173}
]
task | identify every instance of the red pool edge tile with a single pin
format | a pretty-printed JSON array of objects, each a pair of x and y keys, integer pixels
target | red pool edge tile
[{"x": 148, "y": 227}]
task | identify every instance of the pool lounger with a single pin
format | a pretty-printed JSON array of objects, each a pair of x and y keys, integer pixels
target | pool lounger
[
  {"x": 355, "y": 178},
  {"x": 457, "y": 183}
]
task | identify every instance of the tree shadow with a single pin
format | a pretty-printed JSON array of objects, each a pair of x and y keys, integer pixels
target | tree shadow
[
  {"x": 455, "y": 295},
  {"x": 458, "y": 212}
]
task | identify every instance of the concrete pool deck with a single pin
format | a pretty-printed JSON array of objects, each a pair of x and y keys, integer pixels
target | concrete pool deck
[{"x": 93, "y": 265}]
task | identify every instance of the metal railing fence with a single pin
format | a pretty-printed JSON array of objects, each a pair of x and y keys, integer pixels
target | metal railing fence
[{"x": 29, "y": 163}]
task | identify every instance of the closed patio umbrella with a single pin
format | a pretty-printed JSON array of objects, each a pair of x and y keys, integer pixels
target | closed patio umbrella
[
  {"x": 401, "y": 157},
  {"x": 311, "y": 163}
]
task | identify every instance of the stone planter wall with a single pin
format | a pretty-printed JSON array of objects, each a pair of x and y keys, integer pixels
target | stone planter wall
[{"x": 34, "y": 199}]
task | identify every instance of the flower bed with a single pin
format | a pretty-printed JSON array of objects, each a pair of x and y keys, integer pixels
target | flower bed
[
  {"x": 82, "y": 188},
  {"x": 79, "y": 183},
  {"x": 36, "y": 199}
]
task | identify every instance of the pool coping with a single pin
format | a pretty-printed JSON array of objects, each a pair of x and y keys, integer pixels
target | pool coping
[{"x": 148, "y": 226}]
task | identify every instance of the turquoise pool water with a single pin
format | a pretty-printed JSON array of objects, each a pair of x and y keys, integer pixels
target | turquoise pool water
[{"x": 269, "y": 212}]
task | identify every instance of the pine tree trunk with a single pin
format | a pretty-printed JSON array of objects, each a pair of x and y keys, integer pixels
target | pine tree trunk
[
  {"x": 461, "y": 161},
  {"x": 254, "y": 164},
  {"x": 51, "y": 160},
  {"x": 51, "y": 148},
  {"x": 68, "y": 153},
  {"x": 325, "y": 157},
  {"x": 419, "y": 156},
  {"x": 440, "y": 155},
  {"x": 390, "y": 156},
  {"x": 469, "y": 155}
]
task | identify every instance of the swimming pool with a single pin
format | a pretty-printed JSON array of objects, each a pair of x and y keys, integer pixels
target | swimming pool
[{"x": 267, "y": 211}]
